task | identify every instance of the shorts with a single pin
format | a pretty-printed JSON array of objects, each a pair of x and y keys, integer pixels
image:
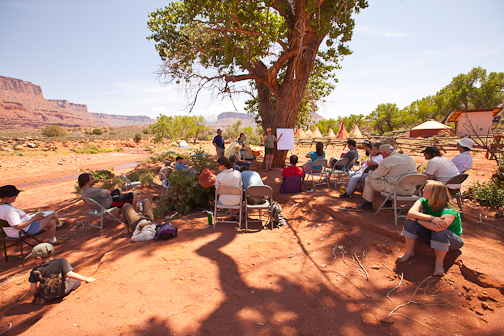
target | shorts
[
  {"x": 34, "y": 227},
  {"x": 269, "y": 151},
  {"x": 118, "y": 199}
]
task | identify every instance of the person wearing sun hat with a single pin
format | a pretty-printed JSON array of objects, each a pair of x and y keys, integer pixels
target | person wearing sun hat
[
  {"x": 269, "y": 147},
  {"x": 19, "y": 220},
  {"x": 464, "y": 160},
  {"x": 54, "y": 277}
]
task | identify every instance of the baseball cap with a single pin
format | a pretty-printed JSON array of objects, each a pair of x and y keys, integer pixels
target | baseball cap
[
  {"x": 42, "y": 250},
  {"x": 8, "y": 191},
  {"x": 431, "y": 150}
]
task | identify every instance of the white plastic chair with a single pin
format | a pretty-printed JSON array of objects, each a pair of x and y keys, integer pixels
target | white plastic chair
[
  {"x": 416, "y": 179},
  {"x": 164, "y": 189},
  {"x": 259, "y": 191},
  {"x": 130, "y": 184},
  {"x": 218, "y": 205},
  {"x": 322, "y": 173},
  {"x": 95, "y": 209}
]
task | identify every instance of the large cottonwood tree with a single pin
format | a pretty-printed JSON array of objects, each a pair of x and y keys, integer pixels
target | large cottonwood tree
[{"x": 219, "y": 44}]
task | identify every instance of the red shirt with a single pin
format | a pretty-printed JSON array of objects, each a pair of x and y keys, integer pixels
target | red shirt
[{"x": 292, "y": 171}]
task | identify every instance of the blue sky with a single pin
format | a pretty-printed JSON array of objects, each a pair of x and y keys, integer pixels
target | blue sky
[{"x": 96, "y": 53}]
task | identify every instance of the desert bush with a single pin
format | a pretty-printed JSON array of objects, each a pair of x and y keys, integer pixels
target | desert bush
[
  {"x": 185, "y": 193},
  {"x": 53, "y": 131},
  {"x": 491, "y": 193},
  {"x": 97, "y": 131},
  {"x": 146, "y": 131},
  {"x": 137, "y": 137},
  {"x": 142, "y": 175}
]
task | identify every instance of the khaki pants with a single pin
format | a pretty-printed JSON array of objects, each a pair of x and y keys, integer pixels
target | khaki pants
[
  {"x": 220, "y": 152},
  {"x": 380, "y": 184},
  {"x": 132, "y": 217}
]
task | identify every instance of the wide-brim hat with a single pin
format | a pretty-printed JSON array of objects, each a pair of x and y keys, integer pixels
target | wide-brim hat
[
  {"x": 466, "y": 142},
  {"x": 9, "y": 191}
]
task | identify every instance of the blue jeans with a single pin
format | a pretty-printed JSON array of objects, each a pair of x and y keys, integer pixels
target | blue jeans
[{"x": 443, "y": 240}]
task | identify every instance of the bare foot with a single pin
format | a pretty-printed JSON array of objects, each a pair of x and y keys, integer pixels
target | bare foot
[
  {"x": 439, "y": 271},
  {"x": 405, "y": 257},
  {"x": 125, "y": 231}
]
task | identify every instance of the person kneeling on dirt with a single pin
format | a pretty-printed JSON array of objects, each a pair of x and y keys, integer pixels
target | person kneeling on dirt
[
  {"x": 105, "y": 198},
  {"x": 20, "y": 221},
  {"x": 54, "y": 276},
  {"x": 433, "y": 219}
]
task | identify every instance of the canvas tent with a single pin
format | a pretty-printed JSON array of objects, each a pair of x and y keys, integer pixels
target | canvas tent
[
  {"x": 230, "y": 151},
  {"x": 342, "y": 133},
  {"x": 427, "y": 129},
  {"x": 316, "y": 133},
  {"x": 356, "y": 131},
  {"x": 308, "y": 133},
  {"x": 331, "y": 134},
  {"x": 301, "y": 133}
]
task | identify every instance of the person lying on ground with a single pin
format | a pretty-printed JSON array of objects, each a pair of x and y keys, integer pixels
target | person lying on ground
[
  {"x": 166, "y": 170},
  {"x": 182, "y": 167},
  {"x": 350, "y": 155},
  {"x": 433, "y": 219},
  {"x": 464, "y": 160},
  {"x": 385, "y": 177},
  {"x": 251, "y": 178},
  {"x": 374, "y": 159},
  {"x": 293, "y": 170},
  {"x": 28, "y": 223},
  {"x": 142, "y": 225},
  {"x": 318, "y": 154},
  {"x": 439, "y": 168},
  {"x": 54, "y": 277},
  {"x": 105, "y": 198}
]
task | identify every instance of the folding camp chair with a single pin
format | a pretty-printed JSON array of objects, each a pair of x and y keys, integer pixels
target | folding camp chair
[
  {"x": 292, "y": 185},
  {"x": 218, "y": 205},
  {"x": 415, "y": 179},
  {"x": 165, "y": 187},
  {"x": 455, "y": 193},
  {"x": 322, "y": 173},
  {"x": 95, "y": 209},
  {"x": 132, "y": 185},
  {"x": 264, "y": 191},
  {"x": 339, "y": 174},
  {"x": 23, "y": 237}
]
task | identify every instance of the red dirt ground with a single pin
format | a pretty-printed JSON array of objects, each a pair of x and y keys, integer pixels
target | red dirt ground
[{"x": 295, "y": 280}]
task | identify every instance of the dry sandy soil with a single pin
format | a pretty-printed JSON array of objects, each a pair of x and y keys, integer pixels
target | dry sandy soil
[{"x": 301, "y": 279}]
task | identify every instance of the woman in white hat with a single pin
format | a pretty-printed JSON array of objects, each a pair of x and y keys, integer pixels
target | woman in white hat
[{"x": 464, "y": 160}]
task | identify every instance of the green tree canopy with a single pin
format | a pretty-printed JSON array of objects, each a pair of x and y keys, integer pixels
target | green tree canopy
[{"x": 220, "y": 43}]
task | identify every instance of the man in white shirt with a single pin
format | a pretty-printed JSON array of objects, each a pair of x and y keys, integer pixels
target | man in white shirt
[
  {"x": 439, "y": 168},
  {"x": 228, "y": 177},
  {"x": 464, "y": 160}
]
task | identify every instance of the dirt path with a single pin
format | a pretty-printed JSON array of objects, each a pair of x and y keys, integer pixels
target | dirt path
[{"x": 302, "y": 279}]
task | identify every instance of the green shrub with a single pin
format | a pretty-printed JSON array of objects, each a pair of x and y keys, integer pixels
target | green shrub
[
  {"x": 53, "y": 131},
  {"x": 146, "y": 131},
  {"x": 97, "y": 131},
  {"x": 488, "y": 194},
  {"x": 185, "y": 193},
  {"x": 137, "y": 138}
]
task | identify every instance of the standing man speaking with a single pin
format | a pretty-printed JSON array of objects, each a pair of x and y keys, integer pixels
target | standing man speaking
[{"x": 218, "y": 142}]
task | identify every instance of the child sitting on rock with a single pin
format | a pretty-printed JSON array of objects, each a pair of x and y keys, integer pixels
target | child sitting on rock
[{"x": 55, "y": 276}]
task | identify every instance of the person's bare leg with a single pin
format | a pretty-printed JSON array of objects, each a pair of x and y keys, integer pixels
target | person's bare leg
[
  {"x": 438, "y": 267},
  {"x": 134, "y": 203},
  {"x": 410, "y": 250},
  {"x": 271, "y": 161},
  {"x": 49, "y": 224}
]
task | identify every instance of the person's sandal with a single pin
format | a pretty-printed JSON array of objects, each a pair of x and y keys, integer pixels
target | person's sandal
[{"x": 58, "y": 241}]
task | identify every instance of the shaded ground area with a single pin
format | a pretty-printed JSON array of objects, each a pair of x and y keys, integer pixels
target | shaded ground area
[{"x": 302, "y": 279}]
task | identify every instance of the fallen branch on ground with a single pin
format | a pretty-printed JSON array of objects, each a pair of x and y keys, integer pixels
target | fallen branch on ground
[{"x": 393, "y": 289}]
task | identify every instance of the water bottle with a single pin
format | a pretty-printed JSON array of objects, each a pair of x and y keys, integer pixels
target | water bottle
[
  {"x": 140, "y": 206},
  {"x": 210, "y": 218}
]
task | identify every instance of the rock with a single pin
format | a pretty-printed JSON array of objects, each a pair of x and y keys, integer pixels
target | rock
[
  {"x": 18, "y": 147},
  {"x": 375, "y": 267},
  {"x": 369, "y": 318},
  {"x": 7, "y": 149},
  {"x": 31, "y": 145}
]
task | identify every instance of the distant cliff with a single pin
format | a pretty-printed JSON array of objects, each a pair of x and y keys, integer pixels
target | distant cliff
[
  {"x": 22, "y": 105},
  {"x": 122, "y": 120},
  {"x": 228, "y": 115}
]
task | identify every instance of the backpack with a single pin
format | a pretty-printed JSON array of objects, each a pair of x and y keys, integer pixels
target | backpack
[
  {"x": 276, "y": 214},
  {"x": 166, "y": 231}
]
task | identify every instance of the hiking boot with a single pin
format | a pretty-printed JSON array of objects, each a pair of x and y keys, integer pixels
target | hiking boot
[
  {"x": 366, "y": 206},
  {"x": 345, "y": 195}
]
